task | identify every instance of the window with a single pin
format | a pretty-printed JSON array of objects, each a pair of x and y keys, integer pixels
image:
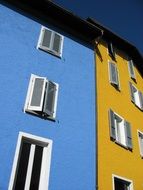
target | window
[
  {"x": 50, "y": 41},
  {"x": 113, "y": 74},
  {"x": 111, "y": 50},
  {"x": 120, "y": 130},
  {"x": 41, "y": 97},
  {"x": 131, "y": 69},
  {"x": 140, "y": 137},
  {"x": 31, "y": 165},
  {"x": 120, "y": 183},
  {"x": 136, "y": 96}
]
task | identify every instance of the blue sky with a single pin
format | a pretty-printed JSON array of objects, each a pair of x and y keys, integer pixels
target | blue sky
[{"x": 123, "y": 17}]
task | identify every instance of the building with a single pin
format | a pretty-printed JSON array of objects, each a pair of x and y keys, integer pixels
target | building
[
  {"x": 71, "y": 99},
  {"x": 119, "y": 79},
  {"x": 48, "y": 118}
]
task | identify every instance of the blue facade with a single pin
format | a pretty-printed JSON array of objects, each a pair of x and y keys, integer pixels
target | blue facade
[{"x": 73, "y": 132}]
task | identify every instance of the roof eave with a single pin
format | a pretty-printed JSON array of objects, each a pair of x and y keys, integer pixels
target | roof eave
[{"x": 54, "y": 14}]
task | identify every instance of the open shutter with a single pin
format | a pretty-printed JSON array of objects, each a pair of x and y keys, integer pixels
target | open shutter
[
  {"x": 141, "y": 143},
  {"x": 141, "y": 99},
  {"x": 131, "y": 69},
  {"x": 49, "y": 103},
  {"x": 128, "y": 134},
  {"x": 132, "y": 92},
  {"x": 36, "y": 97},
  {"x": 112, "y": 124},
  {"x": 111, "y": 50},
  {"x": 57, "y": 41},
  {"x": 113, "y": 74}
]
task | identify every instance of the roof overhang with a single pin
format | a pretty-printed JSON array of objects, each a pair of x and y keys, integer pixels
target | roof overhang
[
  {"x": 54, "y": 14},
  {"x": 121, "y": 44}
]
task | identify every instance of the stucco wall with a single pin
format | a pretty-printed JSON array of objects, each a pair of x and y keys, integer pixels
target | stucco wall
[
  {"x": 113, "y": 158},
  {"x": 73, "y": 132}
]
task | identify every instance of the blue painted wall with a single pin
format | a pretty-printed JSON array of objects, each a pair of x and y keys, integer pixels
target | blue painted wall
[{"x": 73, "y": 133}]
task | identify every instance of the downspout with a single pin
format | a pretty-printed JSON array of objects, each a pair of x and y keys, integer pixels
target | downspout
[{"x": 96, "y": 42}]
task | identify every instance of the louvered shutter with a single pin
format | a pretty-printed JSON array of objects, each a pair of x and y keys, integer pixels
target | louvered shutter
[
  {"x": 131, "y": 69},
  {"x": 46, "y": 39},
  {"x": 57, "y": 39},
  {"x": 37, "y": 93},
  {"x": 113, "y": 74},
  {"x": 112, "y": 124},
  {"x": 141, "y": 143},
  {"x": 141, "y": 99},
  {"x": 49, "y": 99},
  {"x": 111, "y": 50},
  {"x": 132, "y": 92},
  {"x": 128, "y": 134}
]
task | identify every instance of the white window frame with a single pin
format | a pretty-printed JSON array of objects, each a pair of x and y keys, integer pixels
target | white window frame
[
  {"x": 46, "y": 160},
  {"x": 123, "y": 179},
  {"x": 131, "y": 64},
  {"x": 50, "y": 50},
  {"x": 136, "y": 96},
  {"x": 32, "y": 82},
  {"x": 141, "y": 149},
  {"x": 120, "y": 132},
  {"x": 28, "y": 108},
  {"x": 117, "y": 85}
]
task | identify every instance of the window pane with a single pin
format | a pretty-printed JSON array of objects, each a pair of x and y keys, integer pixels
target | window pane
[
  {"x": 37, "y": 92},
  {"x": 46, "y": 38},
  {"x": 113, "y": 74},
  {"x": 22, "y": 166},
  {"x": 36, "y": 168},
  {"x": 56, "y": 43},
  {"x": 121, "y": 184},
  {"x": 50, "y": 99}
]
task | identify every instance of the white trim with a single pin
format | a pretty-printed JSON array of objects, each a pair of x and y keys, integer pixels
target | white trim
[
  {"x": 120, "y": 134},
  {"x": 114, "y": 49},
  {"x": 33, "y": 109},
  {"x": 50, "y": 49},
  {"x": 46, "y": 159},
  {"x": 138, "y": 131},
  {"x": 122, "y": 178},
  {"x": 56, "y": 100},
  {"x": 28, "y": 93},
  {"x": 36, "y": 108},
  {"x": 109, "y": 74},
  {"x": 137, "y": 100}
]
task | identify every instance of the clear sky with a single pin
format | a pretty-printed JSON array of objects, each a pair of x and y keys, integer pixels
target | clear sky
[{"x": 123, "y": 17}]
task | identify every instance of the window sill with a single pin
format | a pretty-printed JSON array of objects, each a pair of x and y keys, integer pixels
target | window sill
[
  {"x": 40, "y": 115},
  {"x": 137, "y": 106},
  {"x": 123, "y": 146}
]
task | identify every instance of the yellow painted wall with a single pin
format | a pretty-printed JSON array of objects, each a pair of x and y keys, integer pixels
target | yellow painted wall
[{"x": 112, "y": 158}]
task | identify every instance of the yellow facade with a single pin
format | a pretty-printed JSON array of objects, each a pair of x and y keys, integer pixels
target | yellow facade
[{"x": 114, "y": 159}]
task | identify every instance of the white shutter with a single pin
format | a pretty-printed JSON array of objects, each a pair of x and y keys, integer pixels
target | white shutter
[
  {"x": 49, "y": 98},
  {"x": 45, "y": 39},
  {"x": 37, "y": 90},
  {"x": 50, "y": 41},
  {"x": 57, "y": 44}
]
